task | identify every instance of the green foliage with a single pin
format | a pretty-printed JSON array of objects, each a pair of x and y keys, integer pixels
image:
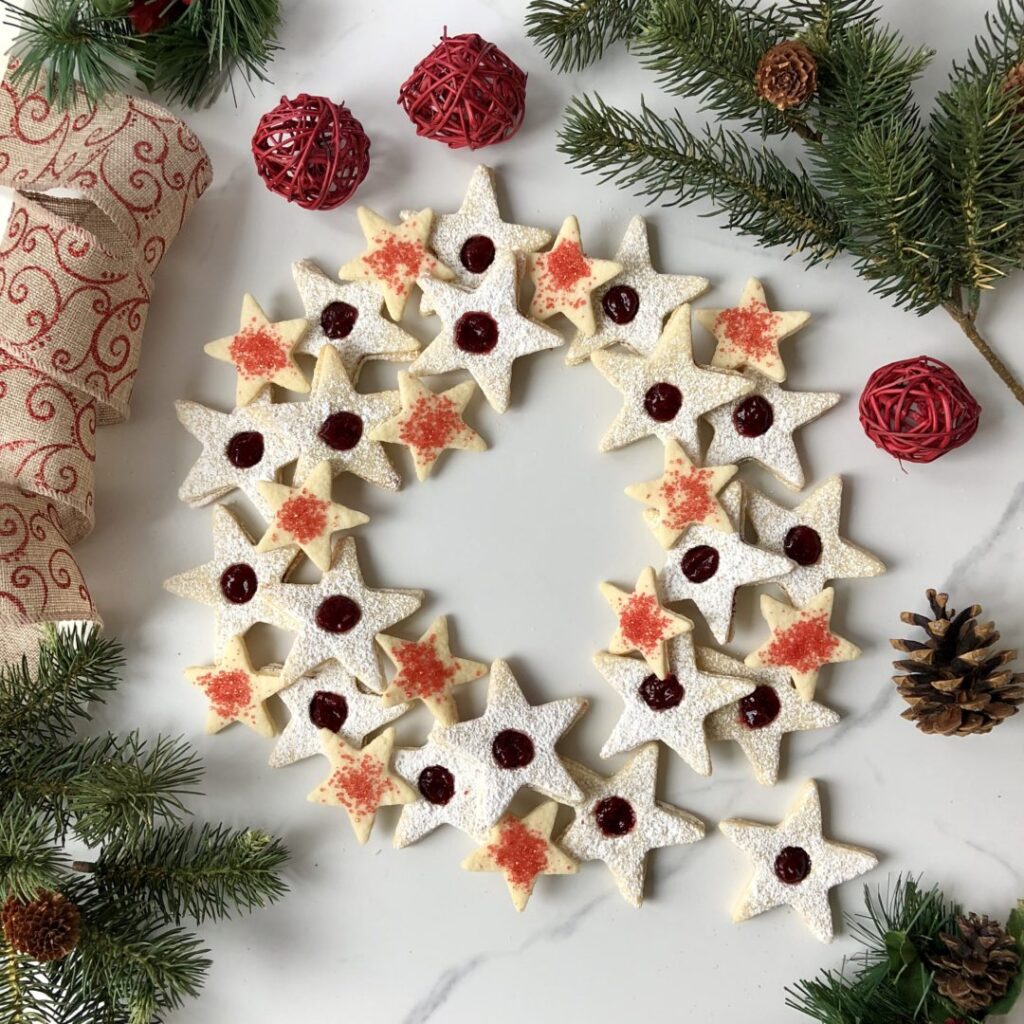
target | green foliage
[{"x": 575, "y": 33}]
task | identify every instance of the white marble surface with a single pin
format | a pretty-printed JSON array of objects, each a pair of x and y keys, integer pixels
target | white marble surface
[{"x": 512, "y": 545}]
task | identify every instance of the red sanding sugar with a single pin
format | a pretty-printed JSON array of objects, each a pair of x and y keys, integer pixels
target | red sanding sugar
[
  {"x": 804, "y": 646},
  {"x": 303, "y": 516},
  {"x": 360, "y": 784},
  {"x": 566, "y": 265},
  {"x": 643, "y": 622},
  {"x": 751, "y": 329},
  {"x": 688, "y": 497},
  {"x": 432, "y": 424},
  {"x": 397, "y": 262},
  {"x": 257, "y": 351},
  {"x": 520, "y": 852},
  {"x": 422, "y": 673},
  {"x": 229, "y": 691}
]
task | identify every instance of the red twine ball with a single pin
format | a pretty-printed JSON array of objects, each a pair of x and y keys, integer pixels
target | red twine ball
[
  {"x": 918, "y": 409},
  {"x": 311, "y": 151},
  {"x": 465, "y": 92}
]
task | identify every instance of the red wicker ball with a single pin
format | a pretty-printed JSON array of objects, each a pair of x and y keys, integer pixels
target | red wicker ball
[
  {"x": 465, "y": 92},
  {"x": 918, "y": 409},
  {"x": 311, "y": 151}
]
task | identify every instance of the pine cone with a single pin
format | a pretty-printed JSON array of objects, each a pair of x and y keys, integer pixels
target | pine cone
[
  {"x": 1013, "y": 82},
  {"x": 787, "y": 75},
  {"x": 980, "y": 965},
  {"x": 956, "y": 684},
  {"x": 46, "y": 928}
]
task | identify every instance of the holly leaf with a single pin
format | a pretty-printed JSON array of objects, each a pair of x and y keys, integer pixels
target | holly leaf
[
  {"x": 1014, "y": 928},
  {"x": 908, "y": 972}
]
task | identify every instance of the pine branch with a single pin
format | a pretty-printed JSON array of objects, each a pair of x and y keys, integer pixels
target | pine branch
[
  {"x": 29, "y": 860},
  {"x": 818, "y": 22},
  {"x": 573, "y": 34}
]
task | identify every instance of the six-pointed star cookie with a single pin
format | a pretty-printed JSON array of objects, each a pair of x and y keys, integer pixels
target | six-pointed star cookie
[
  {"x": 235, "y": 581},
  {"x": 564, "y": 279},
  {"x": 430, "y": 423},
  {"x": 619, "y": 821},
  {"x": 749, "y": 334},
  {"x": 396, "y": 256},
  {"x": 522, "y": 850},
  {"x": 665, "y": 394},
  {"x": 801, "y": 641},
  {"x": 339, "y": 618},
  {"x": 336, "y": 424},
  {"x": 669, "y": 708},
  {"x": 758, "y": 721},
  {"x": 513, "y": 742},
  {"x": 760, "y": 426},
  {"x": 361, "y": 781},
  {"x": 809, "y": 535},
  {"x": 348, "y": 316},
  {"x": 710, "y": 566},
  {"x": 236, "y": 691},
  {"x": 644, "y": 625},
  {"x": 483, "y": 331},
  {"x": 330, "y": 700},
  {"x": 262, "y": 352},
  {"x": 306, "y": 517},
  {"x": 632, "y": 307},
  {"x": 795, "y": 864}
]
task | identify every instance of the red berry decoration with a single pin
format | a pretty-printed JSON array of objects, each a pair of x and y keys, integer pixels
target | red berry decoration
[
  {"x": 918, "y": 409},
  {"x": 465, "y": 92},
  {"x": 311, "y": 151}
]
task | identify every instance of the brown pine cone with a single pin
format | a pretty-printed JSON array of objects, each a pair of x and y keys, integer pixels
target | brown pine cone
[
  {"x": 979, "y": 966},
  {"x": 1014, "y": 82},
  {"x": 46, "y": 928},
  {"x": 787, "y": 75}
]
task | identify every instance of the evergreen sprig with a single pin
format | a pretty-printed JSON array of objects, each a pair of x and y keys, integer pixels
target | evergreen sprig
[{"x": 575, "y": 33}]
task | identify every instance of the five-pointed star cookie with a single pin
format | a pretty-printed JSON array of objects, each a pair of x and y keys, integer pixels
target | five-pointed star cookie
[
  {"x": 428, "y": 671},
  {"x": 522, "y": 850},
  {"x": 749, "y": 334},
  {"x": 619, "y": 821},
  {"x": 396, "y": 256},
  {"x": 801, "y": 641},
  {"x": 335, "y": 423},
  {"x": 513, "y": 743},
  {"x": 809, "y": 535},
  {"x": 430, "y": 422},
  {"x": 631, "y": 308},
  {"x": 361, "y": 781},
  {"x": 665, "y": 393},
  {"x": 236, "y": 691},
  {"x": 564, "y": 279},
  {"x": 670, "y": 708},
  {"x": 644, "y": 625},
  {"x": 795, "y": 864},
  {"x": 348, "y": 317},
  {"x": 262, "y": 353},
  {"x": 330, "y": 700},
  {"x": 339, "y": 617},
  {"x": 758, "y": 721},
  {"x": 235, "y": 581},
  {"x": 710, "y": 566},
  {"x": 760, "y": 426},
  {"x": 683, "y": 497},
  {"x": 483, "y": 331},
  {"x": 306, "y": 517}
]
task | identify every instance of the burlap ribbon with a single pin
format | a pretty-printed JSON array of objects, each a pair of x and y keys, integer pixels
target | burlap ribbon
[{"x": 76, "y": 276}]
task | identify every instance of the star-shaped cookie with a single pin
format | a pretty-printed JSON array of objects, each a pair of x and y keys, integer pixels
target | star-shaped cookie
[
  {"x": 513, "y": 743},
  {"x": 670, "y": 708},
  {"x": 235, "y": 581},
  {"x": 748, "y": 335},
  {"x": 427, "y": 671},
  {"x": 619, "y": 821},
  {"x": 304, "y": 516},
  {"x": 236, "y": 691},
  {"x": 336, "y": 424},
  {"x": 328, "y": 700},
  {"x": 339, "y": 617},
  {"x": 262, "y": 353},
  {"x": 794, "y": 864},
  {"x": 347, "y": 315},
  {"x": 564, "y": 279},
  {"x": 809, "y": 535},
  {"x": 760, "y": 427},
  {"x": 631, "y": 308},
  {"x": 665, "y": 393},
  {"x": 430, "y": 422},
  {"x": 801, "y": 641},
  {"x": 361, "y": 781},
  {"x": 522, "y": 850},
  {"x": 758, "y": 721},
  {"x": 483, "y": 331}
]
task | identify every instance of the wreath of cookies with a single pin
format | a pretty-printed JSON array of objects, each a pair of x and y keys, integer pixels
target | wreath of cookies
[{"x": 633, "y": 324}]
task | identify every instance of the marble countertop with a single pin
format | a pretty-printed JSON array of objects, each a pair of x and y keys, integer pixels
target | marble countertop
[{"x": 512, "y": 545}]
